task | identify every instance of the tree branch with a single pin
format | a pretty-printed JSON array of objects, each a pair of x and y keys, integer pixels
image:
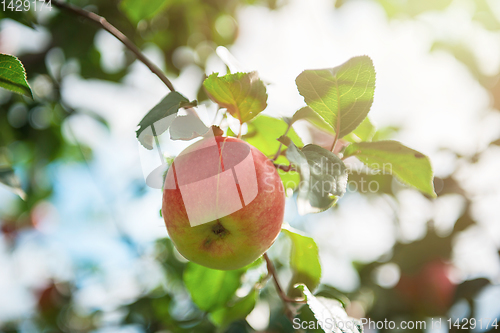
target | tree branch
[
  {"x": 103, "y": 23},
  {"x": 272, "y": 271}
]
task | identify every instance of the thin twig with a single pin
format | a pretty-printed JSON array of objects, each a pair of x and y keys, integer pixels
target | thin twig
[
  {"x": 272, "y": 270},
  {"x": 103, "y": 23},
  {"x": 259, "y": 285}
]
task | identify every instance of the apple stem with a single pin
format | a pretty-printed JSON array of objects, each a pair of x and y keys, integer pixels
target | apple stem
[
  {"x": 272, "y": 271},
  {"x": 103, "y": 23}
]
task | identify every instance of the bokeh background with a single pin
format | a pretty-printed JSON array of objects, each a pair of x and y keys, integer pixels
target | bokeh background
[{"x": 88, "y": 251}]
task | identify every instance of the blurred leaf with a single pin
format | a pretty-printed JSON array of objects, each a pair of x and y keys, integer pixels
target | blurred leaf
[
  {"x": 9, "y": 179},
  {"x": 13, "y": 75},
  {"x": 364, "y": 132},
  {"x": 243, "y": 94},
  {"x": 137, "y": 10},
  {"x": 224, "y": 316},
  {"x": 410, "y": 166},
  {"x": 323, "y": 177},
  {"x": 470, "y": 288},
  {"x": 449, "y": 185},
  {"x": 412, "y": 7},
  {"x": 463, "y": 53},
  {"x": 330, "y": 313},
  {"x": 385, "y": 133},
  {"x": 159, "y": 117},
  {"x": 484, "y": 14},
  {"x": 363, "y": 183},
  {"x": 411, "y": 257},
  {"x": 211, "y": 288},
  {"x": 24, "y": 17},
  {"x": 304, "y": 260},
  {"x": 342, "y": 95},
  {"x": 496, "y": 142},
  {"x": 463, "y": 222},
  {"x": 495, "y": 93}
]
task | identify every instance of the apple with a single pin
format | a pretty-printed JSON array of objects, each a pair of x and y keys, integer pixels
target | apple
[
  {"x": 430, "y": 290},
  {"x": 223, "y": 203}
]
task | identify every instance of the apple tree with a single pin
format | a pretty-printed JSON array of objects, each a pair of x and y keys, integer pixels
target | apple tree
[{"x": 285, "y": 273}]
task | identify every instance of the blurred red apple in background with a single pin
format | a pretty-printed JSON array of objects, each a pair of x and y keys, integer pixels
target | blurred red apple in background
[{"x": 429, "y": 291}]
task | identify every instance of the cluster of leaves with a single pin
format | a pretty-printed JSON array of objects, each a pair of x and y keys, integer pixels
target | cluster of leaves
[
  {"x": 338, "y": 101},
  {"x": 27, "y": 147},
  {"x": 410, "y": 299}
]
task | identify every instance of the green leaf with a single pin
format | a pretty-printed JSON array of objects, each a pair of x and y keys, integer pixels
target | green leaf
[
  {"x": 306, "y": 113},
  {"x": 211, "y": 288},
  {"x": 11, "y": 181},
  {"x": 137, "y": 10},
  {"x": 323, "y": 177},
  {"x": 304, "y": 260},
  {"x": 241, "y": 308},
  {"x": 385, "y": 133},
  {"x": 242, "y": 94},
  {"x": 364, "y": 132},
  {"x": 13, "y": 75},
  {"x": 342, "y": 95},
  {"x": 330, "y": 311},
  {"x": 159, "y": 116},
  {"x": 409, "y": 166},
  {"x": 27, "y": 18},
  {"x": 264, "y": 131}
]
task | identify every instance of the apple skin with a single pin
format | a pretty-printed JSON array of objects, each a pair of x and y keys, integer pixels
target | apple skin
[{"x": 235, "y": 240}]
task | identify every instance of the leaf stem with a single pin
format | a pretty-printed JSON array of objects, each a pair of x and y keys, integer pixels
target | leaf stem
[
  {"x": 281, "y": 144},
  {"x": 103, "y": 23},
  {"x": 272, "y": 271},
  {"x": 336, "y": 139},
  {"x": 285, "y": 168},
  {"x": 239, "y": 132},
  {"x": 224, "y": 115}
]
